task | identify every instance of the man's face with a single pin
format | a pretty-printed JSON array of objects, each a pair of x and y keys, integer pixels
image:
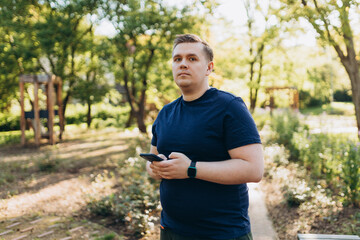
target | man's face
[{"x": 190, "y": 66}]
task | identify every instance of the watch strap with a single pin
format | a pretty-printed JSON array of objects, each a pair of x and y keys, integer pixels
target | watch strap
[{"x": 192, "y": 170}]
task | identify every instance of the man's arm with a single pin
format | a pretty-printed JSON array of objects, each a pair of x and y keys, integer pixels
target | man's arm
[{"x": 246, "y": 165}]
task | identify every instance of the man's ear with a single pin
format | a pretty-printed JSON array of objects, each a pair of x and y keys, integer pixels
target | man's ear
[{"x": 210, "y": 68}]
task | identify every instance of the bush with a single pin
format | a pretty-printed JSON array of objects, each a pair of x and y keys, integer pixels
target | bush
[
  {"x": 335, "y": 160},
  {"x": 137, "y": 201},
  {"x": 9, "y": 122},
  {"x": 342, "y": 95},
  {"x": 297, "y": 193},
  {"x": 284, "y": 126},
  {"x": 47, "y": 164},
  {"x": 12, "y": 137},
  {"x": 351, "y": 173},
  {"x": 261, "y": 119},
  {"x": 307, "y": 100}
]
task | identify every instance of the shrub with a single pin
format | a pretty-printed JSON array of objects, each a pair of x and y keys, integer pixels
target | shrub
[
  {"x": 109, "y": 236},
  {"x": 137, "y": 201},
  {"x": 9, "y": 122},
  {"x": 261, "y": 118},
  {"x": 12, "y": 137},
  {"x": 47, "y": 164},
  {"x": 297, "y": 193},
  {"x": 351, "y": 173},
  {"x": 342, "y": 95},
  {"x": 284, "y": 126}
]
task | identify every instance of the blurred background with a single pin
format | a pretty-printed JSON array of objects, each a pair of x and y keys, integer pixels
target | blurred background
[{"x": 294, "y": 63}]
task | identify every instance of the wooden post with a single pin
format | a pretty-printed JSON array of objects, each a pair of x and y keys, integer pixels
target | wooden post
[
  {"x": 60, "y": 107},
  {"x": 37, "y": 129},
  {"x": 296, "y": 99},
  {"x": 50, "y": 108},
  {"x": 22, "y": 114}
]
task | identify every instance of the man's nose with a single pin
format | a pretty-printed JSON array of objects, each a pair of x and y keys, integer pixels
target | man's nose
[{"x": 183, "y": 64}]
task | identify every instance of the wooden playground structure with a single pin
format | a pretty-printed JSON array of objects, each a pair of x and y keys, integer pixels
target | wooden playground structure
[
  {"x": 292, "y": 92},
  {"x": 33, "y": 117}
]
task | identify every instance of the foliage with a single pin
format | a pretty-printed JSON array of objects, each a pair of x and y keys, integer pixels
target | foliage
[
  {"x": 109, "y": 236},
  {"x": 333, "y": 22},
  {"x": 47, "y": 164},
  {"x": 13, "y": 137},
  {"x": 331, "y": 159},
  {"x": 136, "y": 203},
  {"x": 260, "y": 40},
  {"x": 306, "y": 100},
  {"x": 284, "y": 126},
  {"x": 342, "y": 95},
  {"x": 351, "y": 173},
  {"x": 320, "y": 154},
  {"x": 142, "y": 48},
  {"x": 9, "y": 122},
  {"x": 261, "y": 118},
  {"x": 297, "y": 193},
  {"x": 17, "y": 50}
]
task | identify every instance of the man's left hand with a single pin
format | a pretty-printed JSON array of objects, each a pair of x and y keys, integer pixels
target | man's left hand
[{"x": 173, "y": 168}]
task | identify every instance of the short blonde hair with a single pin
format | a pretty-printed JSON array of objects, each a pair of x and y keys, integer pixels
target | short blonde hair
[{"x": 192, "y": 38}]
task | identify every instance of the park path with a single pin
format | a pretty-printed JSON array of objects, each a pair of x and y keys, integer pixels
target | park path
[{"x": 261, "y": 225}]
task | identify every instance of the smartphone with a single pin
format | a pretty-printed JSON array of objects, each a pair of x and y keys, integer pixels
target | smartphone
[{"x": 151, "y": 157}]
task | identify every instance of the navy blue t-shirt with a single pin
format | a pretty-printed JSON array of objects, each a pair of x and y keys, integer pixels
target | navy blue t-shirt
[{"x": 204, "y": 130}]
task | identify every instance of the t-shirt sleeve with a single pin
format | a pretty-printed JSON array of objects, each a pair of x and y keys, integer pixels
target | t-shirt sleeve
[
  {"x": 239, "y": 126},
  {"x": 154, "y": 135}
]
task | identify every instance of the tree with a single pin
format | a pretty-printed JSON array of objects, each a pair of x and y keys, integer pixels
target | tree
[
  {"x": 145, "y": 31},
  {"x": 17, "y": 52},
  {"x": 332, "y": 21},
  {"x": 59, "y": 31},
  {"x": 91, "y": 87},
  {"x": 259, "y": 42}
]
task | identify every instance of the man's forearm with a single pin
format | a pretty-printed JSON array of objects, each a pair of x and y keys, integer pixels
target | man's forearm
[{"x": 233, "y": 171}]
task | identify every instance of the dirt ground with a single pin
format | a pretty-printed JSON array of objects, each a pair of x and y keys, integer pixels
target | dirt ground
[{"x": 45, "y": 190}]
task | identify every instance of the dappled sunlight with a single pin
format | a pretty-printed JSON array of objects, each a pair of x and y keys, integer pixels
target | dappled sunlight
[
  {"x": 62, "y": 198},
  {"x": 86, "y": 150},
  {"x": 331, "y": 124},
  {"x": 62, "y": 193}
]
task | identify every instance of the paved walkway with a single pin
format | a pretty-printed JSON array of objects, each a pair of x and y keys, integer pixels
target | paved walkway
[{"x": 261, "y": 225}]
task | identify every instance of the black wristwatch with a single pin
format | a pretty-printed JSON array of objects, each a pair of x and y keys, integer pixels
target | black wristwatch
[{"x": 192, "y": 170}]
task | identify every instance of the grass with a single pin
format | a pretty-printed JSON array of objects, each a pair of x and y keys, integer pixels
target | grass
[
  {"x": 334, "y": 108},
  {"x": 13, "y": 137}
]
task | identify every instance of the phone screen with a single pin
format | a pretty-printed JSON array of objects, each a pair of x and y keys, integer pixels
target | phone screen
[{"x": 151, "y": 157}]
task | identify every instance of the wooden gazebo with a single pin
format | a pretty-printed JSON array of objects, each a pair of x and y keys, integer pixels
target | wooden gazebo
[
  {"x": 36, "y": 114},
  {"x": 292, "y": 92}
]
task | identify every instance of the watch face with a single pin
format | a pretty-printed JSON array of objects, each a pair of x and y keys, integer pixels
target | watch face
[{"x": 191, "y": 172}]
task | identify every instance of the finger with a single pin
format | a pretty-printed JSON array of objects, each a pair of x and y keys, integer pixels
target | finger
[
  {"x": 162, "y": 156},
  {"x": 175, "y": 155}
]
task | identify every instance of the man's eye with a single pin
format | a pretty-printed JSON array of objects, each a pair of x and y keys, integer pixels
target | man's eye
[
  {"x": 192, "y": 59},
  {"x": 177, "y": 59}
]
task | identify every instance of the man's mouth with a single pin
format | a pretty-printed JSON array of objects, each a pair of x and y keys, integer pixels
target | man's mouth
[{"x": 183, "y": 74}]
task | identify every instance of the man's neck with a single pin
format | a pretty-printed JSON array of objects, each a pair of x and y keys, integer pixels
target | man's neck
[{"x": 191, "y": 96}]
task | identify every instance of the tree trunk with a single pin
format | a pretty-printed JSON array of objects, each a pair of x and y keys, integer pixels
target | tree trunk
[
  {"x": 141, "y": 113},
  {"x": 352, "y": 70},
  {"x": 88, "y": 117},
  {"x": 252, "y": 107},
  {"x": 130, "y": 119},
  {"x": 256, "y": 89},
  {"x": 140, "y": 121},
  {"x": 65, "y": 102}
]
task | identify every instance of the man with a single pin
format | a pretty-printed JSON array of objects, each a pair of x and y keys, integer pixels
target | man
[{"x": 211, "y": 149}]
